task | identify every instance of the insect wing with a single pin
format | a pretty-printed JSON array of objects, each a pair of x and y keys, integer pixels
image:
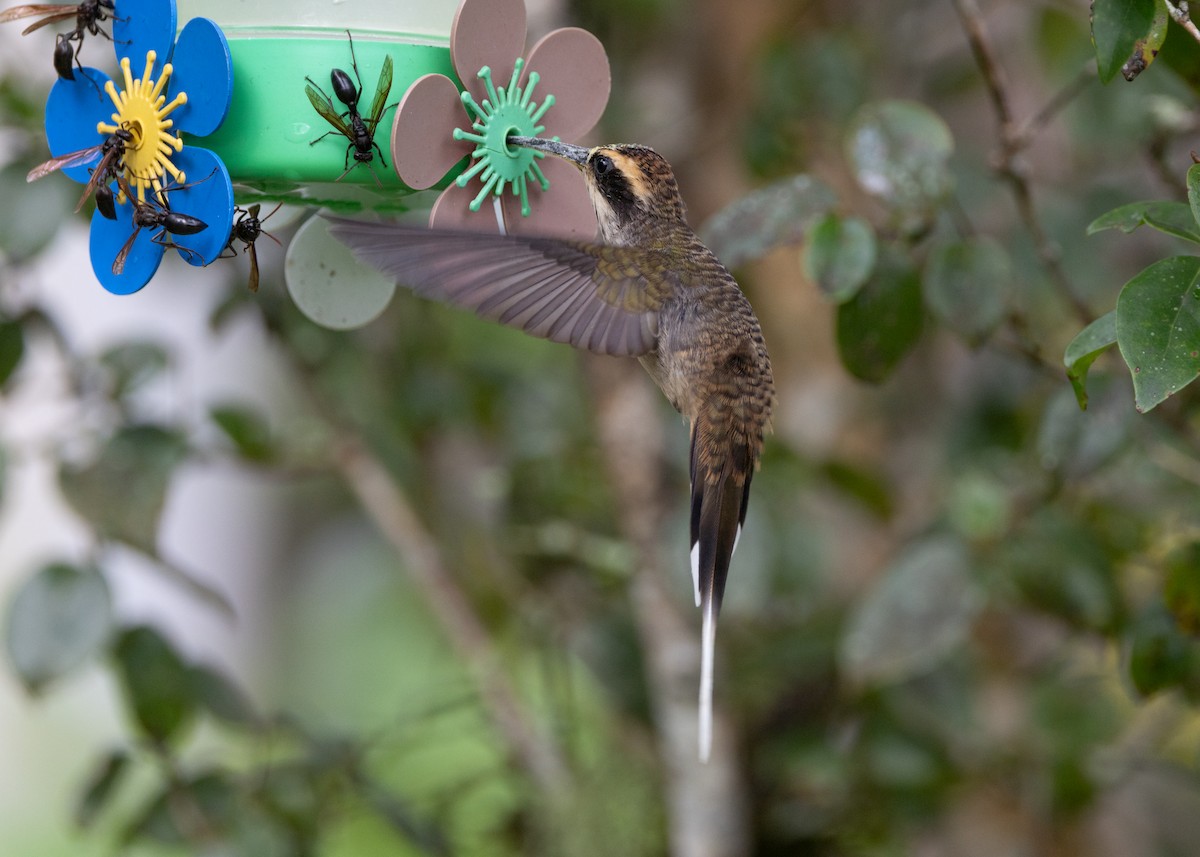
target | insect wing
[
  {"x": 54, "y": 12},
  {"x": 381, "y": 92},
  {"x": 71, "y": 159},
  {"x": 30, "y": 9},
  {"x": 118, "y": 265},
  {"x": 101, "y": 176},
  {"x": 253, "y": 266},
  {"x": 323, "y": 106}
]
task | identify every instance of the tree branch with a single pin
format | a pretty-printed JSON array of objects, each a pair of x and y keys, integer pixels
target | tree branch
[
  {"x": 1009, "y": 164},
  {"x": 388, "y": 507},
  {"x": 1182, "y": 17}
]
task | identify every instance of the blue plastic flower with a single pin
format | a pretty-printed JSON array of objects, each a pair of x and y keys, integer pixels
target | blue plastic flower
[{"x": 169, "y": 86}]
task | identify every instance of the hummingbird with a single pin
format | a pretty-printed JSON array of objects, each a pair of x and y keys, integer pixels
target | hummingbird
[{"x": 648, "y": 289}]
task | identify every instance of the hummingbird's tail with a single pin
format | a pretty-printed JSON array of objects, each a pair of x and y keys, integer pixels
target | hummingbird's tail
[{"x": 721, "y": 473}]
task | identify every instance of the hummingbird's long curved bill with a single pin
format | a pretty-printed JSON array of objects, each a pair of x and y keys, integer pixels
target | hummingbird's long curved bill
[{"x": 575, "y": 154}]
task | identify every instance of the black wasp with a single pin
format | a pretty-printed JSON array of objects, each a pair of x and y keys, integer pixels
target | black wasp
[
  {"x": 87, "y": 15},
  {"x": 111, "y": 153},
  {"x": 350, "y": 123},
  {"x": 246, "y": 229},
  {"x": 153, "y": 215}
]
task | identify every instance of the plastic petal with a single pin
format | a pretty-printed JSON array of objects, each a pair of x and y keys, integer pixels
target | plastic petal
[
  {"x": 208, "y": 195},
  {"x": 107, "y": 237},
  {"x": 486, "y": 32},
  {"x": 144, "y": 25},
  {"x": 452, "y": 211},
  {"x": 72, "y": 110},
  {"x": 563, "y": 211},
  {"x": 423, "y": 149},
  {"x": 574, "y": 69},
  {"x": 204, "y": 70}
]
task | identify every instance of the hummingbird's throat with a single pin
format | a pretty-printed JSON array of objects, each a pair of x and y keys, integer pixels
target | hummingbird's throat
[{"x": 506, "y": 112}]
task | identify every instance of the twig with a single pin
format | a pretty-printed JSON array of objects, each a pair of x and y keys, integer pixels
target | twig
[
  {"x": 1009, "y": 165},
  {"x": 182, "y": 805},
  {"x": 1175, "y": 462},
  {"x": 1182, "y": 17},
  {"x": 1068, "y": 93},
  {"x": 386, "y": 504},
  {"x": 706, "y": 803},
  {"x": 208, "y": 594}
]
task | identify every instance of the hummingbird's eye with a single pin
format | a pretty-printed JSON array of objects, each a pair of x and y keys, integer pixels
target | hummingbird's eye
[{"x": 603, "y": 165}]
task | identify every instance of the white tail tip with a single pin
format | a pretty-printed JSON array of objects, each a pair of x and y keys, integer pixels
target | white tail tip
[{"x": 708, "y": 635}]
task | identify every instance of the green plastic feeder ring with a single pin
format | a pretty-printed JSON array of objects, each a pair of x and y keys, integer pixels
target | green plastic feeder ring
[{"x": 506, "y": 112}]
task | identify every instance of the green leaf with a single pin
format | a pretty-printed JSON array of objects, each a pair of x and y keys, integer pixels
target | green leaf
[
  {"x": 1060, "y": 565},
  {"x": 1173, "y": 218},
  {"x": 32, "y": 212},
  {"x": 56, "y": 621},
  {"x": 402, "y": 817},
  {"x": 966, "y": 286},
  {"x": 1116, "y": 27},
  {"x": 861, "y": 483},
  {"x": 247, "y": 429},
  {"x": 1083, "y": 350},
  {"x": 1158, "y": 328},
  {"x": 205, "y": 806},
  {"x": 101, "y": 786},
  {"x": 1074, "y": 443},
  {"x": 979, "y": 505},
  {"x": 133, "y": 364},
  {"x": 920, "y": 611},
  {"x": 880, "y": 324},
  {"x": 1193, "y": 191},
  {"x": 12, "y": 348},
  {"x": 136, "y": 464},
  {"x": 1160, "y": 657},
  {"x": 1146, "y": 47},
  {"x": 1181, "y": 588},
  {"x": 839, "y": 255},
  {"x": 221, "y": 698},
  {"x": 772, "y": 216},
  {"x": 289, "y": 791},
  {"x": 158, "y": 685},
  {"x": 899, "y": 152}
]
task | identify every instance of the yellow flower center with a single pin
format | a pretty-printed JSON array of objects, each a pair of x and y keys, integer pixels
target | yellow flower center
[{"x": 142, "y": 111}]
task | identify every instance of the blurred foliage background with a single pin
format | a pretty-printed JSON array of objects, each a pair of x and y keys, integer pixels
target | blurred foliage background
[{"x": 437, "y": 601}]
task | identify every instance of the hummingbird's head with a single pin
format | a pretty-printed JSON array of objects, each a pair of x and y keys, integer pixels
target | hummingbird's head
[{"x": 632, "y": 187}]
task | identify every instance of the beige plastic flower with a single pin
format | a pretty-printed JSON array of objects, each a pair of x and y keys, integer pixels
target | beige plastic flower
[{"x": 564, "y": 84}]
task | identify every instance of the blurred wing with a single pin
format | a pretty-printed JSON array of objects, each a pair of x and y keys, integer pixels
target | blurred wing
[
  {"x": 323, "y": 106},
  {"x": 381, "y": 92},
  {"x": 587, "y": 295}
]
